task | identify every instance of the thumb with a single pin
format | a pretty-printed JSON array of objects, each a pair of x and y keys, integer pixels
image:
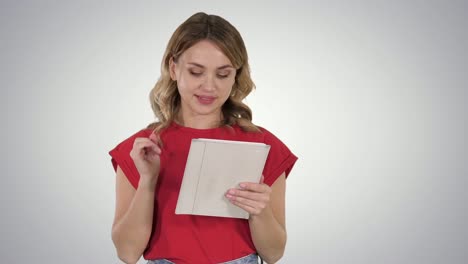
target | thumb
[
  {"x": 262, "y": 179},
  {"x": 153, "y": 137}
]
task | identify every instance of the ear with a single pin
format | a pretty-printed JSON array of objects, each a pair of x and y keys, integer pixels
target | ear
[{"x": 172, "y": 70}]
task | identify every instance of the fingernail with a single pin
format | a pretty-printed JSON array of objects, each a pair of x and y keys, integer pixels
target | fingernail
[
  {"x": 242, "y": 185},
  {"x": 232, "y": 191}
]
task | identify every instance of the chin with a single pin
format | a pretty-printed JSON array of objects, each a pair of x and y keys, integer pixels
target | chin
[{"x": 206, "y": 110}]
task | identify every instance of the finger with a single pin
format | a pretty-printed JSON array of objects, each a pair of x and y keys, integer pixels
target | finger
[
  {"x": 142, "y": 152},
  {"x": 262, "y": 179},
  {"x": 152, "y": 157},
  {"x": 153, "y": 137},
  {"x": 248, "y": 209},
  {"x": 255, "y": 200},
  {"x": 262, "y": 197},
  {"x": 250, "y": 206},
  {"x": 143, "y": 139},
  {"x": 148, "y": 148},
  {"x": 146, "y": 144},
  {"x": 255, "y": 187},
  {"x": 151, "y": 151}
]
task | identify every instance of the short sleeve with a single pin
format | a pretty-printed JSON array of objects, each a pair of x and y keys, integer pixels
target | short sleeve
[
  {"x": 120, "y": 156},
  {"x": 280, "y": 159}
]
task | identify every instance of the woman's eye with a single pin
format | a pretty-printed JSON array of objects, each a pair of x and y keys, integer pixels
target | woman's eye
[
  {"x": 196, "y": 73},
  {"x": 223, "y": 75}
]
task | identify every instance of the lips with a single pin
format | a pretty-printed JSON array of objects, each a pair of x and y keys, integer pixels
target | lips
[{"x": 206, "y": 100}]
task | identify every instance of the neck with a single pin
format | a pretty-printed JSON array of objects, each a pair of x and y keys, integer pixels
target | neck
[{"x": 199, "y": 121}]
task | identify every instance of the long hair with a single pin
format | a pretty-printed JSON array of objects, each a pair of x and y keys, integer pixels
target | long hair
[{"x": 165, "y": 98}]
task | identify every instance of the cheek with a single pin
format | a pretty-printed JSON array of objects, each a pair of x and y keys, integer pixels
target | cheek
[
  {"x": 226, "y": 86},
  {"x": 186, "y": 84},
  {"x": 229, "y": 90}
]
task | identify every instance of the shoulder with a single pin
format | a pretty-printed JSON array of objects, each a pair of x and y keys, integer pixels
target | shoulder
[
  {"x": 275, "y": 143},
  {"x": 280, "y": 158},
  {"x": 145, "y": 132},
  {"x": 263, "y": 135},
  {"x": 121, "y": 156},
  {"x": 267, "y": 136},
  {"x": 265, "y": 132}
]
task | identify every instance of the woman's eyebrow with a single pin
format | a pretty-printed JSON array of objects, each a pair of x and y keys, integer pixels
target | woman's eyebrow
[
  {"x": 196, "y": 64},
  {"x": 203, "y": 67},
  {"x": 225, "y": 66}
]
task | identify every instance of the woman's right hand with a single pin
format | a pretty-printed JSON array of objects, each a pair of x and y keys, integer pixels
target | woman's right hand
[{"x": 145, "y": 154}]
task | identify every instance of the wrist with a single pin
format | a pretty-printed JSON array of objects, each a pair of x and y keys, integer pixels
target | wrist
[{"x": 148, "y": 183}]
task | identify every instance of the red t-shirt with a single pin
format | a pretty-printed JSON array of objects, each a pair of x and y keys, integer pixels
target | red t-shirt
[{"x": 194, "y": 238}]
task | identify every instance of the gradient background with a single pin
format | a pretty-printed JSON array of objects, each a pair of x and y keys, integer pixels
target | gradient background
[{"x": 371, "y": 95}]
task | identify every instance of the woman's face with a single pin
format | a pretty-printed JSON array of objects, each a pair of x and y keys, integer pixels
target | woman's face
[{"x": 205, "y": 77}]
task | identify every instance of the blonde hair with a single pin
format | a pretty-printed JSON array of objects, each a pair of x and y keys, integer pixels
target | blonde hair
[{"x": 165, "y": 98}]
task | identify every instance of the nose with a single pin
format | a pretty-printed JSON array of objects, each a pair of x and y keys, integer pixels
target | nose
[{"x": 209, "y": 83}]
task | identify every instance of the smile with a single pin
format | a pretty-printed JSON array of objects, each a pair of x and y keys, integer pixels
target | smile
[{"x": 205, "y": 100}]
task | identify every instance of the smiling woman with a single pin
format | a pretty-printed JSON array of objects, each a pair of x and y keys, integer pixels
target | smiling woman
[
  {"x": 204, "y": 78},
  {"x": 204, "y": 47}
]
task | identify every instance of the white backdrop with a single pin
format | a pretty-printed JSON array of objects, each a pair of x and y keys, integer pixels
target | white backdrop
[{"x": 370, "y": 95}]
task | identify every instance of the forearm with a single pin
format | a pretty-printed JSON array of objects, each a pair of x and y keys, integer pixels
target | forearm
[
  {"x": 131, "y": 234},
  {"x": 268, "y": 235}
]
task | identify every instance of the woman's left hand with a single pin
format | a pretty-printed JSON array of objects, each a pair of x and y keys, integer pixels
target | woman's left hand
[{"x": 252, "y": 197}]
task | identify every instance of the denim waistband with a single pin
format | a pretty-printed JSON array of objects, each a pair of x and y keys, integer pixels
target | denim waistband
[{"x": 249, "y": 259}]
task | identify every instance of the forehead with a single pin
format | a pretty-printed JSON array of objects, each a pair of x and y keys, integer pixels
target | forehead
[{"x": 205, "y": 53}]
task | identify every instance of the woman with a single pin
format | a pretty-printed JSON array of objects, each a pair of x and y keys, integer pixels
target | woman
[{"x": 204, "y": 78}]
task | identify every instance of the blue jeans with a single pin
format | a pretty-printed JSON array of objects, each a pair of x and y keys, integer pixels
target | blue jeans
[{"x": 249, "y": 259}]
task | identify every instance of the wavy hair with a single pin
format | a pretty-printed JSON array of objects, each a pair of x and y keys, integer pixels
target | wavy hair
[{"x": 165, "y": 98}]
